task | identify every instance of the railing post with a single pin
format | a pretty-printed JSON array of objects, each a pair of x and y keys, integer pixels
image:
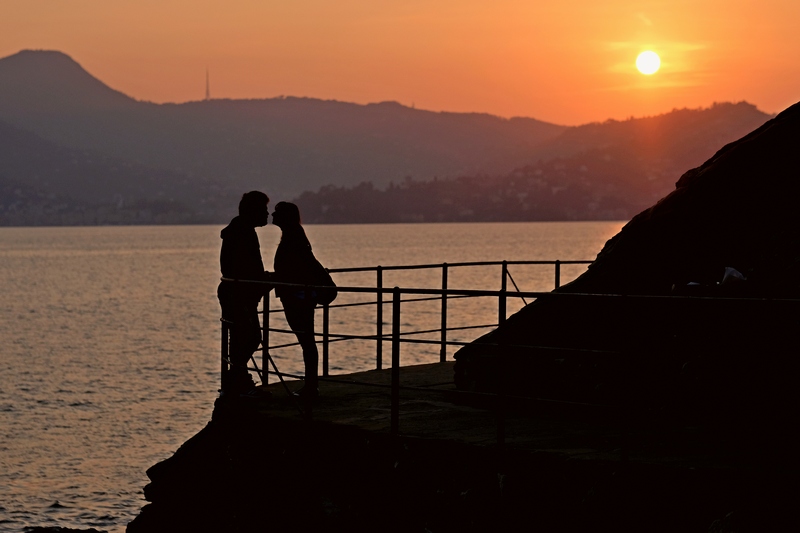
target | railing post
[
  {"x": 325, "y": 338},
  {"x": 223, "y": 355},
  {"x": 379, "y": 320},
  {"x": 395, "y": 407},
  {"x": 501, "y": 304},
  {"x": 443, "y": 351},
  {"x": 558, "y": 273},
  {"x": 265, "y": 341}
]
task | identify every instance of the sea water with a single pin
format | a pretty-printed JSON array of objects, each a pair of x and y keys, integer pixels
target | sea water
[{"x": 109, "y": 340}]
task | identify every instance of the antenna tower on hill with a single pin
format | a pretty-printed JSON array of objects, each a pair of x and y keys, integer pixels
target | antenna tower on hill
[{"x": 208, "y": 87}]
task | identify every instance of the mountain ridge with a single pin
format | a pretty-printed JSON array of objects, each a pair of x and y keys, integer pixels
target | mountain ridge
[
  {"x": 208, "y": 152},
  {"x": 39, "y": 75},
  {"x": 597, "y": 174},
  {"x": 284, "y": 144}
]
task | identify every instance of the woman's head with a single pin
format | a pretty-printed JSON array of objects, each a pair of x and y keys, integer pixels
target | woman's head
[{"x": 286, "y": 214}]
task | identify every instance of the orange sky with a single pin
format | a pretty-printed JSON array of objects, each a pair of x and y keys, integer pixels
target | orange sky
[{"x": 565, "y": 61}]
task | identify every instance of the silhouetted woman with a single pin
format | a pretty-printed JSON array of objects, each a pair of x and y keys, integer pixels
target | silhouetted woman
[{"x": 294, "y": 263}]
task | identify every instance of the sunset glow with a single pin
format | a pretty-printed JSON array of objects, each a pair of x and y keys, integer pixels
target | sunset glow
[{"x": 568, "y": 63}]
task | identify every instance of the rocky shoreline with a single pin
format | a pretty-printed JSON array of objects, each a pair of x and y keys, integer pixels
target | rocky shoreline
[{"x": 254, "y": 469}]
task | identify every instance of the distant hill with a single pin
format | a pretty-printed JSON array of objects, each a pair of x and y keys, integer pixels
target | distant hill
[
  {"x": 607, "y": 171},
  {"x": 68, "y": 137},
  {"x": 282, "y": 145},
  {"x": 42, "y": 183},
  {"x": 686, "y": 134},
  {"x": 43, "y": 83}
]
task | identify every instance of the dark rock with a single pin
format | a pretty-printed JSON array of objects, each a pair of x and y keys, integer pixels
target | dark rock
[
  {"x": 619, "y": 334},
  {"x": 248, "y": 471},
  {"x": 253, "y": 471}
]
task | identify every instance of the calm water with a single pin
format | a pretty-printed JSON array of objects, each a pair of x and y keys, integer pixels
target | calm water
[{"x": 110, "y": 335}]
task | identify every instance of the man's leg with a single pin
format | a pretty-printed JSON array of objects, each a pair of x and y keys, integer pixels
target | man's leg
[{"x": 245, "y": 337}]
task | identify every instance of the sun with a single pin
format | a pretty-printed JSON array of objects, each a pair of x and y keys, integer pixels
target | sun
[{"x": 648, "y": 62}]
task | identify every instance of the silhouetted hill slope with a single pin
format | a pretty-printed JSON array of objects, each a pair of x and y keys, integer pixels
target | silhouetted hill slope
[
  {"x": 282, "y": 145},
  {"x": 736, "y": 209},
  {"x": 733, "y": 355}
]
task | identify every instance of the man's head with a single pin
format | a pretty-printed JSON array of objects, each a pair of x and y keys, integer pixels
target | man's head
[
  {"x": 286, "y": 214},
  {"x": 253, "y": 208}
]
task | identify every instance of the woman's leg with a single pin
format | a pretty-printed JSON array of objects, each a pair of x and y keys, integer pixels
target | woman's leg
[{"x": 301, "y": 319}]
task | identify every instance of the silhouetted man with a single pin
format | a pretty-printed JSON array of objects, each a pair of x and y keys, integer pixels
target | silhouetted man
[{"x": 240, "y": 259}]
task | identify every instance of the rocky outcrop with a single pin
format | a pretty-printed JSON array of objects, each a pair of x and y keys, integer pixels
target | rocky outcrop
[
  {"x": 249, "y": 471},
  {"x": 252, "y": 470},
  {"x": 639, "y": 327}
]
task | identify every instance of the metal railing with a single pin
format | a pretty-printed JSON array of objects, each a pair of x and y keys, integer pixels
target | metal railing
[
  {"x": 398, "y": 296},
  {"x": 442, "y": 294}
]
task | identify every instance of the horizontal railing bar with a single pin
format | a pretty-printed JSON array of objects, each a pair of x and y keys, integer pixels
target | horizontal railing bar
[
  {"x": 402, "y": 290},
  {"x": 277, "y": 346},
  {"x": 552, "y": 262},
  {"x": 345, "y": 338},
  {"x": 374, "y": 302},
  {"x": 341, "y": 336},
  {"x": 389, "y": 302},
  {"x": 407, "y": 300},
  {"x": 279, "y": 330},
  {"x": 461, "y": 264},
  {"x": 437, "y": 330},
  {"x": 479, "y": 326},
  {"x": 335, "y": 335},
  {"x": 353, "y": 304},
  {"x": 331, "y": 306},
  {"x": 431, "y": 341},
  {"x": 338, "y": 337},
  {"x": 530, "y": 294},
  {"x": 540, "y": 294},
  {"x": 421, "y": 332}
]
